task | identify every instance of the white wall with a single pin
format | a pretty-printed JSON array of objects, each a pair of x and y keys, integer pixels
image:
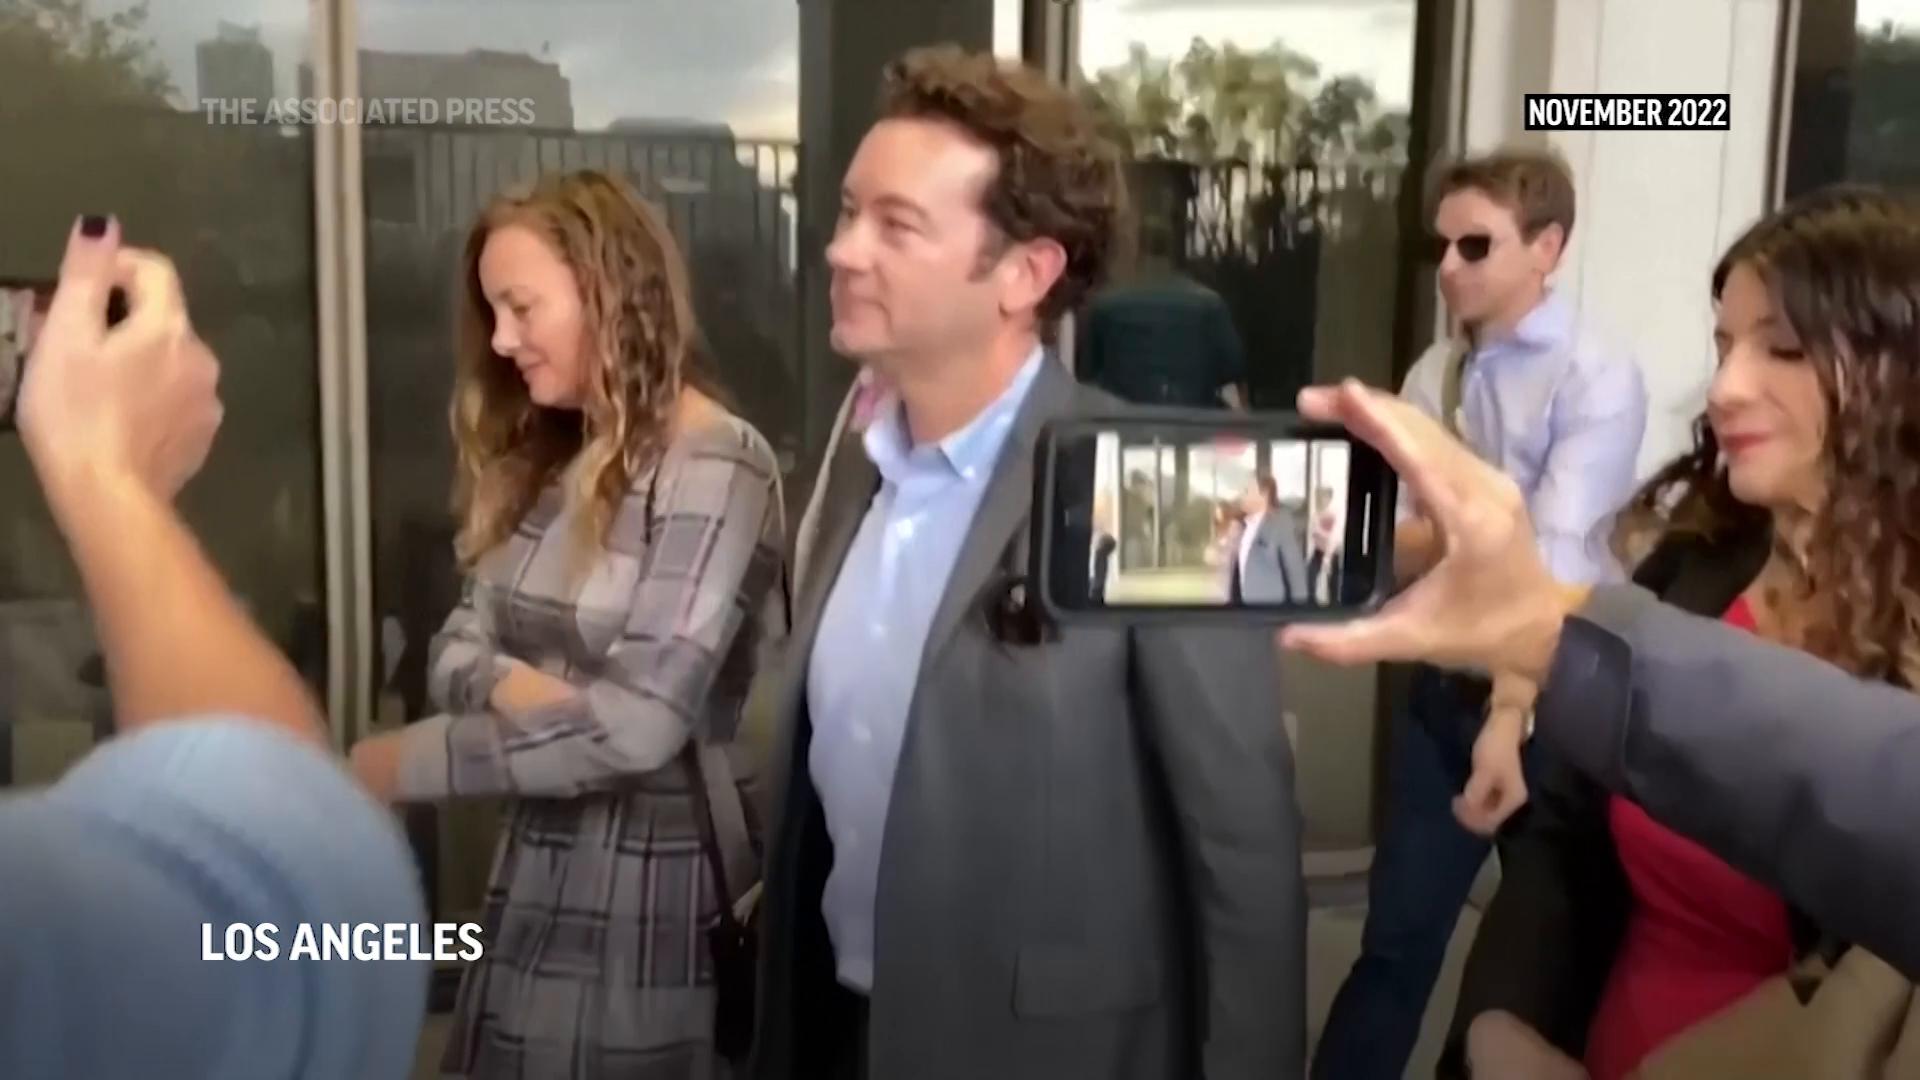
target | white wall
[{"x": 1656, "y": 209}]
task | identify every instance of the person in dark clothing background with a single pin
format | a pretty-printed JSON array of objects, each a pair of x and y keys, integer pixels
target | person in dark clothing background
[{"x": 1162, "y": 338}]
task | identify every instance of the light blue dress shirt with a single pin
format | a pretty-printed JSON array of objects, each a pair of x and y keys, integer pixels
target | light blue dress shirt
[
  {"x": 1562, "y": 414},
  {"x": 866, "y": 659},
  {"x": 106, "y": 878}
]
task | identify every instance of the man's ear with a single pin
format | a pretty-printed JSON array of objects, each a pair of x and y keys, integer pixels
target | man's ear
[
  {"x": 1548, "y": 245},
  {"x": 1033, "y": 268}
]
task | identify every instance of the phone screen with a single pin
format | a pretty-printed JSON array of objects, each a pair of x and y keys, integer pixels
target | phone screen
[{"x": 1248, "y": 516}]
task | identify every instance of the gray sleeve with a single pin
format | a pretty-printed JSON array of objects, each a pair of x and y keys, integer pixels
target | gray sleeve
[
  {"x": 465, "y": 661},
  {"x": 1787, "y": 767},
  {"x": 709, "y": 567},
  {"x": 1213, "y": 717}
]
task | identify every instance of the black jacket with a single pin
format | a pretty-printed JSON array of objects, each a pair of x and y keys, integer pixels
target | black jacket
[{"x": 1548, "y": 939}]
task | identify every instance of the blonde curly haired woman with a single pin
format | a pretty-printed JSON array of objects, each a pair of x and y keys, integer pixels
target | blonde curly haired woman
[{"x": 621, "y": 532}]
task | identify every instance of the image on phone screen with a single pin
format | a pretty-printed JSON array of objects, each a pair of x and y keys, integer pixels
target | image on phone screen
[{"x": 1274, "y": 518}]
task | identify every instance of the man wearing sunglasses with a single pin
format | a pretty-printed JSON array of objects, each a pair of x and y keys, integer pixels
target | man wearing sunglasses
[{"x": 1561, "y": 412}]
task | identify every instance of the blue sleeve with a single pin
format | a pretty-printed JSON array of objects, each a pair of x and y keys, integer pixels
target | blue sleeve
[
  {"x": 1598, "y": 422},
  {"x": 111, "y": 874}
]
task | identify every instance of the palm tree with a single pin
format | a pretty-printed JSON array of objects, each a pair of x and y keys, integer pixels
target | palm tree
[
  {"x": 1249, "y": 100},
  {"x": 1335, "y": 119},
  {"x": 1139, "y": 96}
]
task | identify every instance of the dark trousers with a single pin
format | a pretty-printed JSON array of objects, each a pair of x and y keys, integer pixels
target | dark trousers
[
  {"x": 1316, "y": 561},
  {"x": 1423, "y": 869},
  {"x": 850, "y": 1062}
]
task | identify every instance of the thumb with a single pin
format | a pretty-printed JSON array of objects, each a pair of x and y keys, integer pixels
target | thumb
[{"x": 78, "y": 311}]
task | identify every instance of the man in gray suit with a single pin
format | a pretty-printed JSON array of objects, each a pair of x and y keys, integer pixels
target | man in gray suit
[
  {"x": 1271, "y": 565},
  {"x": 1003, "y": 848},
  {"x": 1701, "y": 723}
]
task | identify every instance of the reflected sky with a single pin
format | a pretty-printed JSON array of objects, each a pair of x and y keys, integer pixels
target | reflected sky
[
  {"x": 1369, "y": 38},
  {"x": 737, "y": 61},
  {"x": 1904, "y": 14}
]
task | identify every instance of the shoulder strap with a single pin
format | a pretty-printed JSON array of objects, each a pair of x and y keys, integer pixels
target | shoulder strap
[
  {"x": 719, "y": 812},
  {"x": 720, "y": 816},
  {"x": 786, "y": 567},
  {"x": 1451, "y": 377}
]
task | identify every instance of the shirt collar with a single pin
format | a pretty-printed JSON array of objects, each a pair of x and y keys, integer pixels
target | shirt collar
[
  {"x": 1547, "y": 326},
  {"x": 970, "y": 452}
]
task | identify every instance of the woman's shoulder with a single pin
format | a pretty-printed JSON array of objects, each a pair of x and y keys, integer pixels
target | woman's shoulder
[
  {"x": 722, "y": 432},
  {"x": 716, "y": 437}
]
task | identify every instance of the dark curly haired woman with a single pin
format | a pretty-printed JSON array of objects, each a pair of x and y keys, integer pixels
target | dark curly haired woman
[{"x": 1797, "y": 517}]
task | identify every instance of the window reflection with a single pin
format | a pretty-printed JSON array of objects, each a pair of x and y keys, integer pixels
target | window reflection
[
  {"x": 1856, "y": 95},
  {"x": 101, "y": 111},
  {"x": 1268, "y": 144}
]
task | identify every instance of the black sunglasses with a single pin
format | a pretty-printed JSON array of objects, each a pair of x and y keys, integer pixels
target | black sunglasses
[{"x": 1472, "y": 247}]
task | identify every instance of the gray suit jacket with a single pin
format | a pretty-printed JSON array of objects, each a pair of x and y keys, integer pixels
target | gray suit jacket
[
  {"x": 1276, "y": 570},
  {"x": 1787, "y": 767},
  {"x": 1091, "y": 866}
]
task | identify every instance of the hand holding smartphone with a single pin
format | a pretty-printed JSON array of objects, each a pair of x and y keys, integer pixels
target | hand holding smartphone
[
  {"x": 23, "y": 311},
  {"x": 1206, "y": 515}
]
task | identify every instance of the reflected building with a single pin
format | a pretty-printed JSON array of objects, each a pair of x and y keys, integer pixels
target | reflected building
[
  {"x": 476, "y": 73},
  {"x": 234, "y": 65}
]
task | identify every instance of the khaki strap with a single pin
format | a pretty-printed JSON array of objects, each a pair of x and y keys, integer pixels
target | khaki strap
[{"x": 1451, "y": 377}]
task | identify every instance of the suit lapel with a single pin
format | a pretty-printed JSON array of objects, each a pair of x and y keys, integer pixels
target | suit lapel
[
  {"x": 1004, "y": 506},
  {"x": 851, "y": 481}
]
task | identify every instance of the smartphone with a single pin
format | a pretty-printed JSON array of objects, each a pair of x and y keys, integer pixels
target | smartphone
[
  {"x": 1205, "y": 515},
  {"x": 23, "y": 309}
]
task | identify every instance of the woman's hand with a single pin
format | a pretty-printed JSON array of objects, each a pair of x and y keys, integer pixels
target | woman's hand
[
  {"x": 137, "y": 400},
  {"x": 1488, "y": 602},
  {"x": 525, "y": 689},
  {"x": 375, "y": 761},
  {"x": 1500, "y": 1046}
]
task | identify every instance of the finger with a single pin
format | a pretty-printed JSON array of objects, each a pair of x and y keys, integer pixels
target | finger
[
  {"x": 1471, "y": 816},
  {"x": 78, "y": 310},
  {"x": 1321, "y": 403},
  {"x": 1386, "y": 636},
  {"x": 1420, "y": 456},
  {"x": 1513, "y": 795},
  {"x": 155, "y": 301},
  {"x": 1480, "y": 788}
]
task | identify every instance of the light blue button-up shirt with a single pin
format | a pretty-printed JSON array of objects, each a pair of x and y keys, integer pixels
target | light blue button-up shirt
[
  {"x": 1563, "y": 415},
  {"x": 866, "y": 659},
  {"x": 107, "y": 877}
]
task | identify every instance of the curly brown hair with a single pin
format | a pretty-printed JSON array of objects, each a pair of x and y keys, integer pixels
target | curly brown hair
[
  {"x": 1843, "y": 268},
  {"x": 640, "y": 348},
  {"x": 1058, "y": 177}
]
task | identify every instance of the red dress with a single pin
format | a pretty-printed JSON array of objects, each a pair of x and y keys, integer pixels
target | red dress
[{"x": 1700, "y": 936}]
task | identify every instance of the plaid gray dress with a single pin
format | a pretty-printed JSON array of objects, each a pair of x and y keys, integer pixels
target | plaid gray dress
[{"x": 596, "y": 967}]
